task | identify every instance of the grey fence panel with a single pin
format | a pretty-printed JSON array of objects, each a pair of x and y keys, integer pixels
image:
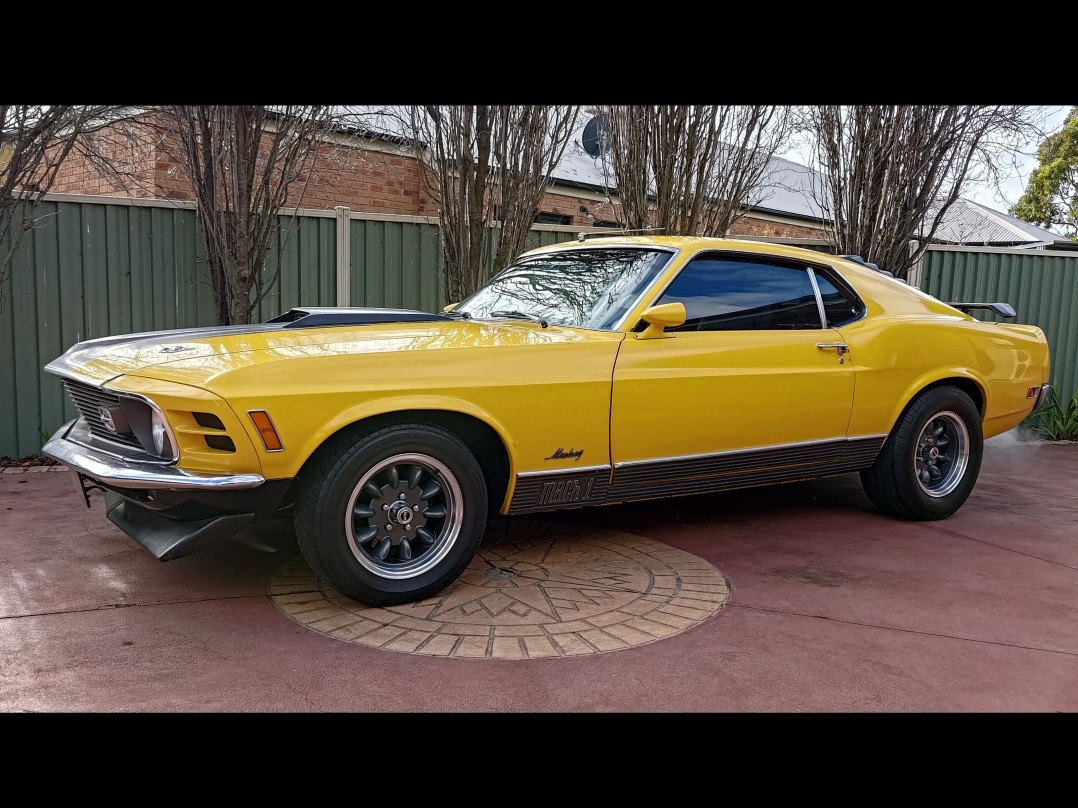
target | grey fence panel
[{"x": 1042, "y": 287}]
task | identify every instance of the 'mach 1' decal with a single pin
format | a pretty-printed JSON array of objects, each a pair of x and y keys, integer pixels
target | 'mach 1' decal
[{"x": 565, "y": 491}]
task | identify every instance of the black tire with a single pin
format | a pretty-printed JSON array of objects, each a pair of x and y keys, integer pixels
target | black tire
[
  {"x": 930, "y": 461},
  {"x": 393, "y": 516}
]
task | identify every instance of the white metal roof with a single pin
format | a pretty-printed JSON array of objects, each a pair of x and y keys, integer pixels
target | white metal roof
[
  {"x": 790, "y": 189},
  {"x": 968, "y": 222}
]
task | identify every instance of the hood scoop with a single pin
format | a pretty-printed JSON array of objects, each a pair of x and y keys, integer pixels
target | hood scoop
[{"x": 343, "y": 315}]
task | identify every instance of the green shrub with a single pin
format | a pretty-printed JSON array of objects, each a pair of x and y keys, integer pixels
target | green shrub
[{"x": 1054, "y": 422}]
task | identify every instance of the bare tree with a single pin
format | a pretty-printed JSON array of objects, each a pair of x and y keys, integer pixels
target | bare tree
[
  {"x": 487, "y": 166},
  {"x": 244, "y": 163},
  {"x": 690, "y": 170},
  {"x": 34, "y": 142},
  {"x": 890, "y": 173}
]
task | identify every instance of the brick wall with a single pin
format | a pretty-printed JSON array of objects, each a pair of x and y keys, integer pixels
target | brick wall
[
  {"x": 130, "y": 149},
  {"x": 367, "y": 180},
  {"x": 751, "y": 226}
]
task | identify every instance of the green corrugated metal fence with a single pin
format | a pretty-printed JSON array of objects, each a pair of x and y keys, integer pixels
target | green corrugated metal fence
[
  {"x": 94, "y": 269},
  {"x": 395, "y": 264},
  {"x": 85, "y": 271},
  {"x": 302, "y": 263},
  {"x": 1041, "y": 285},
  {"x": 99, "y": 267},
  {"x": 536, "y": 238}
]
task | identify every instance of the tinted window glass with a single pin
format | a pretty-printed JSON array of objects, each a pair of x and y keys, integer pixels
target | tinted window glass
[
  {"x": 838, "y": 307},
  {"x": 722, "y": 294}
]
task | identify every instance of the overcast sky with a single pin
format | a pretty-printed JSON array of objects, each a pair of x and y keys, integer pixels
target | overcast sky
[{"x": 1016, "y": 185}]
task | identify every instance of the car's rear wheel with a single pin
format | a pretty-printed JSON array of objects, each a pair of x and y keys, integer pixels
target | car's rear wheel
[
  {"x": 930, "y": 461},
  {"x": 394, "y": 516}
]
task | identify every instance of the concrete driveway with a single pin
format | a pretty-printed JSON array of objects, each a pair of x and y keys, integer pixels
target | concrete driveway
[{"x": 798, "y": 598}]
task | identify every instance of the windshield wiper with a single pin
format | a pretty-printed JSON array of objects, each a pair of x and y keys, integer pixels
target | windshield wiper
[
  {"x": 520, "y": 315},
  {"x": 457, "y": 315}
]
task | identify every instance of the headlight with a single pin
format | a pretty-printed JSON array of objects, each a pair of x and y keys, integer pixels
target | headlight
[{"x": 159, "y": 430}]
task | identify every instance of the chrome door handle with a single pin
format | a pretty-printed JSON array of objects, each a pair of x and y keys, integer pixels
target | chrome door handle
[{"x": 841, "y": 347}]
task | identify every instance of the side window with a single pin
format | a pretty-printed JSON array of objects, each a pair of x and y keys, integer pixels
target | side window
[
  {"x": 839, "y": 307},
  {"x": 735, "y": 294}
]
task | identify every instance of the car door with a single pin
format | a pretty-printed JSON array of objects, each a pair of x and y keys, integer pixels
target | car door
[{"x": 751, "y": 389}]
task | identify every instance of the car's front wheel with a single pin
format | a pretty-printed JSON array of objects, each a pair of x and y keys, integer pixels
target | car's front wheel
[
  {"x": 930, "y": 461},
  {"x": 394, "y": 516}
]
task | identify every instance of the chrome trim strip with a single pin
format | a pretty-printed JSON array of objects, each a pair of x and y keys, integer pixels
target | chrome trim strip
[
  {"x": 168, "y": 427},
  {"x": 674, "y": 253},
  {"x": 100, "y": 467},
  {"x": 819, "y": 299},
  {"x": 845, "y": 287},
  {"x": 1042, "y": 396},
  {"x": 629, "y": 463},
  {"x": 123, "y": 457},
  {"x": 65, "y": 371},
  {"x": 557, "y": 490},
  {"x": 592, "y": 245},
  {"x": 552, "y": 472},
  {"x": 124, "y": 448}
]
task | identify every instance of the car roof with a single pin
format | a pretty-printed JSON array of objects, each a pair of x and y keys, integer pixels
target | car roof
[{"x": 692, "y": 243}]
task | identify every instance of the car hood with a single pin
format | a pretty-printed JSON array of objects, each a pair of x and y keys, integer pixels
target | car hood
[{"x": 196, "y": 355}]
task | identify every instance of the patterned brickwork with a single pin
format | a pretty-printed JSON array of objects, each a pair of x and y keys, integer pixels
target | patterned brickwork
[{"x": 536, "y": 590}]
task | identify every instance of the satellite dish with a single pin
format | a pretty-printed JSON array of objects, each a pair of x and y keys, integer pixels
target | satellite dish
[{"x": 594, "y": 136}]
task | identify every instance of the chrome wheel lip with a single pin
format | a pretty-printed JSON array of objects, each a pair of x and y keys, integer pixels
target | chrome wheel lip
[
  {"x": 447, "y": 534},
  {"x": 958, "y": 434}
]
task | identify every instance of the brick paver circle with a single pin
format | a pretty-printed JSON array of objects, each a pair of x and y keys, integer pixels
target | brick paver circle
[{"x": 535, "y": 590}]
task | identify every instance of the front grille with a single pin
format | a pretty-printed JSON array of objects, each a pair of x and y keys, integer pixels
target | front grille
[{"x": 89, "y": 399}]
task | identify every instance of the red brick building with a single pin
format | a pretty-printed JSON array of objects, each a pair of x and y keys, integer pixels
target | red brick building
[{"x": 381, "y": 175}]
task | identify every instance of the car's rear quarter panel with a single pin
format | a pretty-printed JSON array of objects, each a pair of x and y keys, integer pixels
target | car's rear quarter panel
[{"x": 909, "y": 341}]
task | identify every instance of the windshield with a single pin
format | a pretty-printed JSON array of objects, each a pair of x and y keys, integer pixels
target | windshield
[{"x": 587, "y": 288}]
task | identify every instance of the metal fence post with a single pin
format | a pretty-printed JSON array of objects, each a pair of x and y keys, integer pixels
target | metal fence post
[
  {"x": 913, "y": 277},
  {"x": 344, "y": 255}
]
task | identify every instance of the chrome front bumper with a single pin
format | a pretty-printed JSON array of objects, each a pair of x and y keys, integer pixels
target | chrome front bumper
[{"x": 117, "y": 472}]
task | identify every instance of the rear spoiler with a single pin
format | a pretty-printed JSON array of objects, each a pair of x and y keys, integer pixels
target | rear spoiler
[
  {"x": 859, "y": 260},
  {"x": 1002, "y": 309}
]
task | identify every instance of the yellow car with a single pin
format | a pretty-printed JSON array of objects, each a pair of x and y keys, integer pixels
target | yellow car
[{"x": 598, "y": 371}]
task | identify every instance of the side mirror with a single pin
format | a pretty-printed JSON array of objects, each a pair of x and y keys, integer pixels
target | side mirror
[
  {"x": 450, "y": 307},
  {"x": 659, "y": 317}
]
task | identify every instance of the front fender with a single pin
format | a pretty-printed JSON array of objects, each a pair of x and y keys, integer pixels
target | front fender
[{"x": 395, "y": 405}]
